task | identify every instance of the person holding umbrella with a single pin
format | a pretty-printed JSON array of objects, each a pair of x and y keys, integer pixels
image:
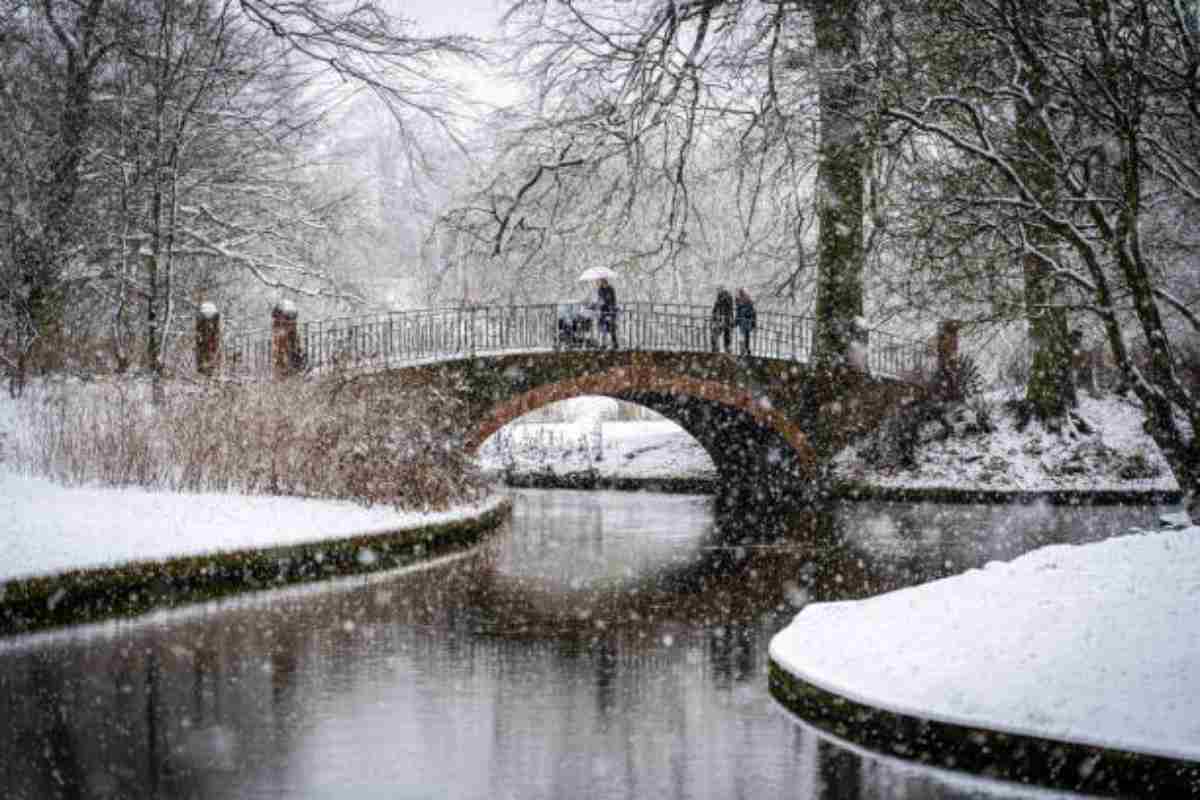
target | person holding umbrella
[
  {"x": 606, "y": 302},
  {"x": 607, "y": 297}
]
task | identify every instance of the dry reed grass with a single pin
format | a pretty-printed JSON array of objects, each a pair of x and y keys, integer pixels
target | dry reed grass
[{"x": 306, "y": 438}]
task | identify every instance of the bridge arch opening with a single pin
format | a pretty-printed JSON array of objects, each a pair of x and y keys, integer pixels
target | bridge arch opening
[
  {"x": 595, "y": 432},
  {"x": 731, "y": 422}
]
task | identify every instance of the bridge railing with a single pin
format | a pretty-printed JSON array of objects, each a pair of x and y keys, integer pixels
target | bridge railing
[{"x": 406, "y": 337}]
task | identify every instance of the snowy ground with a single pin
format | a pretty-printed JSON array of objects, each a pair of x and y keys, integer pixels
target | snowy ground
[
  {"x": 47, "y": 529},
  {"x": 1116, "y": 455},
  {"x": 1096, "y": 644}
]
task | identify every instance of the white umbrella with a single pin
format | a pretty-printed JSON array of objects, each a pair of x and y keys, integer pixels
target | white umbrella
[{"x": 596, "y": 273}]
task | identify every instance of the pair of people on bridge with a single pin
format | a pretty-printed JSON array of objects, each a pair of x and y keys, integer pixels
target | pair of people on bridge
[{"x": 728, "y": 314}]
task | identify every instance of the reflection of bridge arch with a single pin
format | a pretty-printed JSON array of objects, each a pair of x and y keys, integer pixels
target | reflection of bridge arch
[{"x": 743, "y": 562}]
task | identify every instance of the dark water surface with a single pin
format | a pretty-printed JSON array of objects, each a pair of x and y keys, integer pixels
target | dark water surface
[{"x": 603, "y": 645}]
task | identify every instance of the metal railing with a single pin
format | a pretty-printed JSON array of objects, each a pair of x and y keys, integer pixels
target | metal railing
[{"x": 411, "y": 337}]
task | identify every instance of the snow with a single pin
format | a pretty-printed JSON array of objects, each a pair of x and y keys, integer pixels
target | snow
[
  {"x": 46, "y": 528},
  {"x": 1033, "y": 459},
  {"x": 1096, "y": 644}
]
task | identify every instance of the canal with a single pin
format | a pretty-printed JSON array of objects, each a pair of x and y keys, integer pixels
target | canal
[{"x": 602, "y": 645}]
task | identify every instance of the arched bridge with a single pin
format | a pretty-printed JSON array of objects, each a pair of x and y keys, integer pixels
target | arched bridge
[{"x": 770, "y": 418}]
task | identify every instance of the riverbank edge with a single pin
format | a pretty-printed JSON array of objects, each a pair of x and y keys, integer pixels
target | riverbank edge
[
  {"x": 1023, "y": 759},
  {"x": 126, "y": 590},
  {"x": 853, "y": 490},
  {"x": 848, "y": 490}
]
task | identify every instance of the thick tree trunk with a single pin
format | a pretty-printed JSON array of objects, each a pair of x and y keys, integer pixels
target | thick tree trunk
[
  {"x": 842, "y": 152},
  {"x": 1050, "y": 393},
  {"x": 1051, "y": 390}
]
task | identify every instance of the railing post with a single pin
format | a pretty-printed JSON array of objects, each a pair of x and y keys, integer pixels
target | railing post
[{"x": 208, "y": 339}]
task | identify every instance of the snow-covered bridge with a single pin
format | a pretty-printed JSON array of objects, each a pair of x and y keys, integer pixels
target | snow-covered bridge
[{"x": 770, "y": 418}]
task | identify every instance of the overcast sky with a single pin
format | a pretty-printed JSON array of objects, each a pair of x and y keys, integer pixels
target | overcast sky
[
  {"x": 467, "y": 17},
  {"x": 471, "y": 17}
]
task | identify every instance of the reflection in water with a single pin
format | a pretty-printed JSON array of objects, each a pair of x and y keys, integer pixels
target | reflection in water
[{"x": 608, "y": 645}]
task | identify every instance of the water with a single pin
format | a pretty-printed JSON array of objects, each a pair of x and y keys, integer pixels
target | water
[{"x": 603, "y": 645}]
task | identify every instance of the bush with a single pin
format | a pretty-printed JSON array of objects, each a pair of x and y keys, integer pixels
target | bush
[
  {"x": 894, "y": 443},
  {"x": 960, "y": 380},
  {"x": 303, "y": 438},
  {"x": 984, "y": 419},
  {"x": 1136, "y": 466}
]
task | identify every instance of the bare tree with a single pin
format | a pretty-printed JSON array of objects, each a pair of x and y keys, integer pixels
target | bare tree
[
  {"x": 191, "y": 118},
  {"x": 364, "y": 46},
  {"x": 51, "y": 56},
  {"x": 664, "y": 122}
]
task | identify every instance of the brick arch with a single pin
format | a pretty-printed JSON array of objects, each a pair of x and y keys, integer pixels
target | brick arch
[{"x": 620, "y": 380}]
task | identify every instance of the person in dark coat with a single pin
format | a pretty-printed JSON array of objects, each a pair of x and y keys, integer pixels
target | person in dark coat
[
  {"x": 722, "y": 319},
  {"x": 745, "y": 319},
  {"x": 607, "y": 297}
]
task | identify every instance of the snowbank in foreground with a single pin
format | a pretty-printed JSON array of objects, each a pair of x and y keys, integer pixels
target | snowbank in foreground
[
  {"x": 46, "y": 528},
  {"x": 1096, "y": 644}
]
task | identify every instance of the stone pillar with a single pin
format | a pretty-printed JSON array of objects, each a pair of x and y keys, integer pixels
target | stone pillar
[
  {"x": 208, "y": 340},
  {"x": 860, "y": 345},
  {"x": 285, "y": 343},
  {"x": 947, "y": 345}
]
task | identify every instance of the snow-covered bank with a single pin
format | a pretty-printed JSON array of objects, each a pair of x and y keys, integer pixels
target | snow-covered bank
[
  {"x": 1095, "y": 644},
  {"x": 1108, "y": 452},
  {"x": 46, "y": 528}
]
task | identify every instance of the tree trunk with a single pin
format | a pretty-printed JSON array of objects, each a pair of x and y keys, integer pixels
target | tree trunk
[
  {"x": 1050, "y": 393},
  {"x": 842, "y": 151}
]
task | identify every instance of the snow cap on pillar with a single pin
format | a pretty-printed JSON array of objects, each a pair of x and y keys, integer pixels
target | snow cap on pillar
[{"x": 285, "y": 308}]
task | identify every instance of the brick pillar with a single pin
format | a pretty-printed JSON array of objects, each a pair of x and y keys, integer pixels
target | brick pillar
[
  {"x": 208, "y": 340},
  {"x": 285, "y": 344},
  {"x": 947, "y": 345}
]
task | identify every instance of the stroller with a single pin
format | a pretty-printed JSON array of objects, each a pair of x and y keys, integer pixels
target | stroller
[{"x": 575, "y": 324}]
